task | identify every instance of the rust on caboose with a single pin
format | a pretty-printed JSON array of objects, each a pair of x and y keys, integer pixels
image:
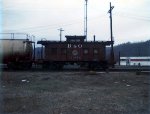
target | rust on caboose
[{"x": 75, "y": 49}]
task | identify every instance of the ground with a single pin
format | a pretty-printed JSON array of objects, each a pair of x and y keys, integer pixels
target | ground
[{"x": 86, "y": 92}]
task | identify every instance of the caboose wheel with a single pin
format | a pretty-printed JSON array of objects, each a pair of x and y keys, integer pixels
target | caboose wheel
[
  {"x": 10, "y": 66},
  {"x": 46, "y": 66},
  {"x": 27, "y": 66},
  {"x": 91, "y": 66},
  {"x": 59, "y": 67}
]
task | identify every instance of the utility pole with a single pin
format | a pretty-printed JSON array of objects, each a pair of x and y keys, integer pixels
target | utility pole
[
  {"x": 85, "y": 19},
  {"x": 34, "y": 46},
  {"x": 111, "y": 33},
  {"x": 119, "y": 57},
  {"x": 60, "y": 33}
]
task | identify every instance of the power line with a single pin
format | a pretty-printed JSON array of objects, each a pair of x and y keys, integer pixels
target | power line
[
  {"x": 54, "y": 26},
  {"x": 134, "y": 11},
  {"x": 129, "y": 14},
  {"x": 133, "y": 17}
]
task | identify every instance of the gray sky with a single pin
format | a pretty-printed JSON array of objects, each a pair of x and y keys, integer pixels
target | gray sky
[{"x": 42, "y": 18}]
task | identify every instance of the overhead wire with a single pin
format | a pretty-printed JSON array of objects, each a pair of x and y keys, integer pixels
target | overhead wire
[
  {"x": 54, "y": 26},
  {"x": 132, "y": 16},
  {"x": 57, "y": 25}
]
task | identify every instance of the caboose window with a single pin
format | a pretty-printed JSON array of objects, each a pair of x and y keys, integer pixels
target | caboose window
[
  {"x": 95, "y": 51},
  {"x": 72, "y": 40},
  {"x": 85, "y": 51},
  {"x": 63, "y": 51},
  {"x": 54, "y": 51},
  {"x": 77, "y": 40}
]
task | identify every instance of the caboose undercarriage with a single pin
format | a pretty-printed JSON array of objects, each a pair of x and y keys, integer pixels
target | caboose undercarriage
[
  {"x": 91, "y": 65},
  {"x": 20, "y": 65}
]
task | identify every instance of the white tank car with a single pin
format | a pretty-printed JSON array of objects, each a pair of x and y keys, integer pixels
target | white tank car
[
  {"x": 16, "y": 52},
  {"x": 15, "y": 46}
]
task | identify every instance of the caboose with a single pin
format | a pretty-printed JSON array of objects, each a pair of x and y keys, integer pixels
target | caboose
[{"x": 75, "y": 49}]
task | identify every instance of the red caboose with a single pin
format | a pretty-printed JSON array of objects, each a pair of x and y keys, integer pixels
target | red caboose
[{"x": 75, "y": 50}]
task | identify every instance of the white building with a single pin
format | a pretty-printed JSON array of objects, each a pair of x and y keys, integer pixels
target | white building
[{"x": 135, "y": 61}]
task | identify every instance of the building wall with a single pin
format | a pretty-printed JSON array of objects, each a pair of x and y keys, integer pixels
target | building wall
[{"x": 135, "y": 61}]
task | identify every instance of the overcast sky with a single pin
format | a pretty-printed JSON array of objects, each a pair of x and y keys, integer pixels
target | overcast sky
[{"x": 43, "y": 18}]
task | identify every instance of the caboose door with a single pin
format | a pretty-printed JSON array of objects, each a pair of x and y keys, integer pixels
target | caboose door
[{"x": 74, "y": 52}]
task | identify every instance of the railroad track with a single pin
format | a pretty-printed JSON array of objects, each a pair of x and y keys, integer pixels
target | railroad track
[{"x": 115, "y": 69}]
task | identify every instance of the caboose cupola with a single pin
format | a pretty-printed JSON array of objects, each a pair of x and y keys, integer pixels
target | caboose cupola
[{"x": 75, "y": 38}]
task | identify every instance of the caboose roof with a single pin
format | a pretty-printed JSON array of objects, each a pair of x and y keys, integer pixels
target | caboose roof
[
  {"x": 75, "y": 37},
  {"x": 65, "y": 42}
]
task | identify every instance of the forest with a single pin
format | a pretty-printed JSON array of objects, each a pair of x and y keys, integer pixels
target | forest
[{"x": 133, "y": 49}]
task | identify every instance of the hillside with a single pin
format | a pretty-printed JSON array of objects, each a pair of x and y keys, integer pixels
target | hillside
[
  {"x": 133, "y": 49},
  {"x": 125, "y": 49}
]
